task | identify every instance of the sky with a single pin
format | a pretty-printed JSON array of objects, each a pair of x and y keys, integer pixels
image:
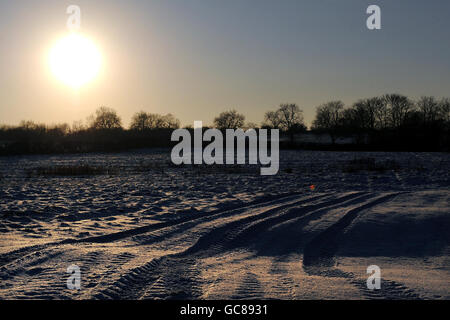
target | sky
[{"x": 196, "y": 58}]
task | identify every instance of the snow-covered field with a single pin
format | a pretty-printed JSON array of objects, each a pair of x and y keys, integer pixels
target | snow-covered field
[{"x": 145, "y": 229}]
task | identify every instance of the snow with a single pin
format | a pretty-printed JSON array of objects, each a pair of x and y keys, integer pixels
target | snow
[{"x": 152, "y": 230}]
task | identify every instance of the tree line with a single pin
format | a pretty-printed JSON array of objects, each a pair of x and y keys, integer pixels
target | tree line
[
  {"x": 390, "y": 112},
  {"x": 391, "y": 121}
]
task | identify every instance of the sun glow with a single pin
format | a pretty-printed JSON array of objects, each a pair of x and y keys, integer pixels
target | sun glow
[{"x": 75, "y": 60}]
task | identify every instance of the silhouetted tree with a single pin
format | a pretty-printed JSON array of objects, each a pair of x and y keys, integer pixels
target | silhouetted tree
[
  {"x": 169, "y": 122},
  {"x": 382, "y": 113},
  {"x": 229, "y": 120},
  {"x": 143, "y": 121},
  {"x": 372, "y": 113},
  {"x": 329, "y": 118},
  {"x": 364, "y": 114},
  {"x": 58, "y": 129},
  {"x": 291, "y": 117},
  {"x": 288, "y": 118},
  {"x": 272, "y": 120},
  {"x": 430, "y": 109},
  {"x": 399, "y": 106},
  {"x": 139, "y": 121},
  {"x": 391, "y": 121},
  {"x": 77, "y": 126},
  {"x": 31, "y": 126},
  {"x": 105, "y": 118},
  {"x": 154, "y": 121},
  {"x": 445, "y": 110},
  {"x": 349, "y": 119}
]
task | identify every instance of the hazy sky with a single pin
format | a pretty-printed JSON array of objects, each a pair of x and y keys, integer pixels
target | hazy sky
[{"x": 196, "y": 58}]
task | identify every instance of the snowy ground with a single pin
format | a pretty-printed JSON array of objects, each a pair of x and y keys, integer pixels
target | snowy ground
[{"x": 149, "y": 230}]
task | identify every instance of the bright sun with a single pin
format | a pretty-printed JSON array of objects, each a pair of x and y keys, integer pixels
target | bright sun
[{"x": 75, "y": 60}]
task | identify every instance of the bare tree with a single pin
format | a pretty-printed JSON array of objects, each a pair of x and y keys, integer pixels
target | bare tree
[
  {"x": 429, "y": 108},
  {"x": 399, "y": 107},
  {"x": 329, "y": 117},
  {"x": 28, "y": 125},
  {"x": 170, "y": 122},
  {"x": 229, "y": 120},
  {"x": 140, "y": 121},
  {"x": 369, "y": 112},
  {"x": 291, "y": 117},
  {"x": 272, "y": 119},
  {"x": 77, "y": 126},
  {"x": 445, "y": 109},
  {"x": 105, "y": 118},
  {"x": 288, "y": 117},
  {"x": 154, "y": 121},
  {"x": 382, "y": 114},
  {"x": 349, "y": 118},
  {"x": 143, "y": 121}
]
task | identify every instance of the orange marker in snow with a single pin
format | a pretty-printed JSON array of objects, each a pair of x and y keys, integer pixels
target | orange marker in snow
[{"x": 312, "y": 187}]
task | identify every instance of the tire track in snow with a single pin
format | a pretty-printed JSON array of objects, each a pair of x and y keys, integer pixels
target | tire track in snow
[
  {"x": 152, "y": 279},
  {"x": 6, "y": 258},
  {"x": 319, "y": 256},
  {"x": 240, "y": 232},
  {"x": 250, "y": 288},
  {"x": 159, "y": 277},
  {"x": 135, "y": 276},
  {"x": 321, "y": 250},
  {"x": 389, "y": 289}
]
